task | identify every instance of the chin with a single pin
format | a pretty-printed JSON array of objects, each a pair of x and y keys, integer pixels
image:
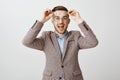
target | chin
[{"x": 61, "y": 32}]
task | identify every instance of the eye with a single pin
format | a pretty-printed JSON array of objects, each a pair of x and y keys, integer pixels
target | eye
[
  {"x": 65, "y": 18},
  {"x": 56, "y": 18}
]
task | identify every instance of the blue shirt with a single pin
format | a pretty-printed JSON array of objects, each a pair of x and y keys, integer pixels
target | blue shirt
[{"x": 61, "y": 41}]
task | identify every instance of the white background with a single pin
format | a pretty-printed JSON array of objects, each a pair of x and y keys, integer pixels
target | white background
[{"x": 18, "y": 62}]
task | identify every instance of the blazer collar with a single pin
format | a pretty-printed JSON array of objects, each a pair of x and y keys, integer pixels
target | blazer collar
[{"x": 56, "y": 45}]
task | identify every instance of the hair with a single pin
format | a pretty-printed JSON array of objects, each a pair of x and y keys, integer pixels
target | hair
[{"x": 59, "y": 8}]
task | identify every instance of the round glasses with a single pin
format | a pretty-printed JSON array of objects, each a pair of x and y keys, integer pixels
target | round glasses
[{"x": 56, "y": 18}]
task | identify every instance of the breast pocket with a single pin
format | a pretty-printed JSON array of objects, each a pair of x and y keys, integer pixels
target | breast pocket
[{"x": 71, "y": 43}]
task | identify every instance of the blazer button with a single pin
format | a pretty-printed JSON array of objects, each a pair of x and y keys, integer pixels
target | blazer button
[
  {"x": 62, "y": 66},
  {"x": 60, "y": 77}
]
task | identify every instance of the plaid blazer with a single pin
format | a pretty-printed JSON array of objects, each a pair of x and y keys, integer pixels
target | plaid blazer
[{"x": 57, "y": 66}]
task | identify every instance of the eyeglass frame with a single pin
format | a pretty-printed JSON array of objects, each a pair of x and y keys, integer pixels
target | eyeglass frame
[{"x": 64, "y": 18}]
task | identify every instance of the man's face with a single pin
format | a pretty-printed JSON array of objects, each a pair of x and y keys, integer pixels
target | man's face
[{"x": 60, "y": 21}]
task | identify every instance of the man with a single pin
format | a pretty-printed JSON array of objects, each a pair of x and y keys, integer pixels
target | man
[{"x": 61, "y": 46}]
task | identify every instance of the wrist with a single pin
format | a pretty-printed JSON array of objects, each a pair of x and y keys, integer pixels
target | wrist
[
  {"x": 79, "y": 21},
  {"x": 42, "y": 21}
]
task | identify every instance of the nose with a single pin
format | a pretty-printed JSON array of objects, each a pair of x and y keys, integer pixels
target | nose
[{"x": 61, "y": 21}]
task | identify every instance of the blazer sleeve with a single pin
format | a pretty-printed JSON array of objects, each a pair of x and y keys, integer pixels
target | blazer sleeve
[
  {"x": 89, "y": 39},
  {"x": 31, "y": 40}
]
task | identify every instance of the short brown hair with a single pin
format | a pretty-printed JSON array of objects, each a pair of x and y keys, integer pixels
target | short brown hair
[{"x": 59, "y": 8}]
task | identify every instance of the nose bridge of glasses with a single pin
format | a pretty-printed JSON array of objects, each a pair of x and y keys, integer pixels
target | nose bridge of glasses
[{"x": 61, "y": 19}]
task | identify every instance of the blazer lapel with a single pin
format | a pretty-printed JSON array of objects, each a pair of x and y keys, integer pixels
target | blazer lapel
[
  {"x": 65, "y": 46},
  {"x": 56, "y": 45}
]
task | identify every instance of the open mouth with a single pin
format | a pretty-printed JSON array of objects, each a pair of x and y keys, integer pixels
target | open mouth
[{"x": 61, "y": 28}]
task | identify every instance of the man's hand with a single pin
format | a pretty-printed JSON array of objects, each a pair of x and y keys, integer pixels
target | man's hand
[
  {"x": 75, "y": 16},
  {"x": 46, "y": 15}
]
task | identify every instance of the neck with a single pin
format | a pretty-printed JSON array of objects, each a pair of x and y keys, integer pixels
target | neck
[{"x": 59, "y": 34}]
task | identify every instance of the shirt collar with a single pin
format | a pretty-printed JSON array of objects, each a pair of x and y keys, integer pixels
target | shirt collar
[{"x": 65, "y": 34}]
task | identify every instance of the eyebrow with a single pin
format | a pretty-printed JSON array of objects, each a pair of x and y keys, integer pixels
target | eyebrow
[
  {"x": 66, "y": 16},
  {"x": 63, "y": 16}
]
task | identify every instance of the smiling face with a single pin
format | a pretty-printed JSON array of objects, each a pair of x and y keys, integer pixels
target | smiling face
[{"x": 60, "y": 21}]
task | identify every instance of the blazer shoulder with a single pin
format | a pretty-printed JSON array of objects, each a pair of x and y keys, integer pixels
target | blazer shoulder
[
  {"x": 74, "y": 32},
  {"x": 47, "y": 33}
]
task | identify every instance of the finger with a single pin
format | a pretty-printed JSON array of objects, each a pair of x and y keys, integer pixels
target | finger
[
  {"x": 50, "y": 15},
  {"x": 72, "y": 12},
  {"x": 47, "y": 12}
]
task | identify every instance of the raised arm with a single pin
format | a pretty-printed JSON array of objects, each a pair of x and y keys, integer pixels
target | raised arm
[
  {"x": 88, "y": 39},
  {"x": 30, "y": 39}
]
